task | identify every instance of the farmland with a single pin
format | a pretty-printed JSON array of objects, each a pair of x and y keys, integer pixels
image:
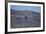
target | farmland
[{"x": 26, "y": 18}]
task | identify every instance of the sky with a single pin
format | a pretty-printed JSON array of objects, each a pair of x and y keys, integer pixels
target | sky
[{"x": 32, "y": 8}]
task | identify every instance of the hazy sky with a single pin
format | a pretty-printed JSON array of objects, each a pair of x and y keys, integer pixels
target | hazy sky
[{"x": 32, "y": 8}]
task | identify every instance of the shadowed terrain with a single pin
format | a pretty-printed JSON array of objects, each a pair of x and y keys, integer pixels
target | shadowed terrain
[{"x": 26, "y": 18}]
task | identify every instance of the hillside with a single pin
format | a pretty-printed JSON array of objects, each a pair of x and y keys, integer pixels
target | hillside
[{"x": 21, "y": 19}]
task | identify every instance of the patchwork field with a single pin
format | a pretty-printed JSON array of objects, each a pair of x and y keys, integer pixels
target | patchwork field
[{"x": 23, "y": 19}]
